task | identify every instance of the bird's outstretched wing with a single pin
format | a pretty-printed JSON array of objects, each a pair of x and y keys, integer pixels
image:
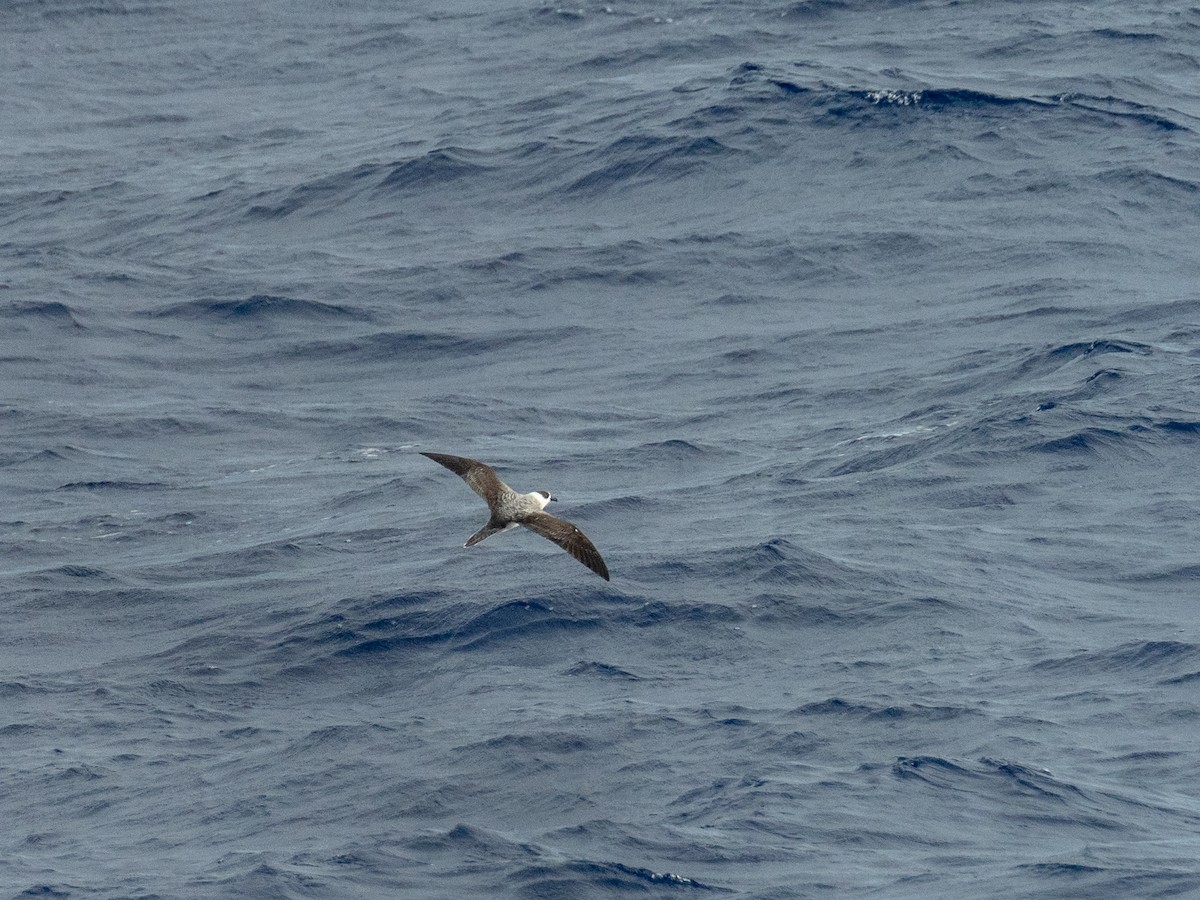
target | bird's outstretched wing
[
  {"x": 482, "y": 478},
  {"x": 569, "y": 538}
]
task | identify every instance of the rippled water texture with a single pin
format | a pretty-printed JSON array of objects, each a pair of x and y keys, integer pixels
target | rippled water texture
[{"x": 863, "y": 339}]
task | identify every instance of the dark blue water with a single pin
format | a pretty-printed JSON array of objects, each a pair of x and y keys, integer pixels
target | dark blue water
[{"x": 862, "y": 338}]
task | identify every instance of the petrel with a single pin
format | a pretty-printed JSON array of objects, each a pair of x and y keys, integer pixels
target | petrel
[{"x": 510, "y": 509}]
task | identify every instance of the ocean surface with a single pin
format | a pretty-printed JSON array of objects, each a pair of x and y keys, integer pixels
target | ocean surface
[{"x": 862, "y": 338}]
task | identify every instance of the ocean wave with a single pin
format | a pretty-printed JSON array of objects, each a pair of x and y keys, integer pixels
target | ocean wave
[
  {"x": 780, "y": 561},
  {"x": 836, "y": 104},
  {"x": 29, "y": 312},
  {"x": 87, "y": 9},
  {"x": 260, "y": 308},
  {"x": 1088, "y": 441},
  {"x": 419, "y": 620},
  {"x": 1136, "y": 656},
  {"x": 323, "y": 194},
  {"x": 361, "y": 189},
  {"x": 580, "y": 877},
  {"x": 421, "y": 347},
  {"x": 910, "y": 712},
  {"x": 113, "y": 486},
  {"x": 434, "y": 170},
  {"x": 994, "y": 778},
  {"x": 601, "y": 670},
  {"x": 1053, "y": 358},
  {"x": 236, "y": 562},
  {"x": 1121, "y": 109},
  {"x": 660, "y": 614},
  {"x": 638, "y": 159},
  {"x": 517, "y": 747}
]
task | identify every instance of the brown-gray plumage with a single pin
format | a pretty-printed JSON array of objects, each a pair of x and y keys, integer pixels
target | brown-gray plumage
[{"x": 510, "y": 509}]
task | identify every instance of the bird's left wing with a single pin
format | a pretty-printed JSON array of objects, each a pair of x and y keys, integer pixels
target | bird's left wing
[{"x": 569, "y": 538}]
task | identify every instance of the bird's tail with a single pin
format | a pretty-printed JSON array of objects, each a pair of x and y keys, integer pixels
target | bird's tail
[{"x": 483, "y": 534}]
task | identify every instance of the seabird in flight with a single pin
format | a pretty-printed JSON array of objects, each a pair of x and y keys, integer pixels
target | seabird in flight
[{"x": 510, "y": 509}]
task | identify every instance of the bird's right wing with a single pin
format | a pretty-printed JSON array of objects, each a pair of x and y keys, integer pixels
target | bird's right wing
[{"x": 482, "y": 478}]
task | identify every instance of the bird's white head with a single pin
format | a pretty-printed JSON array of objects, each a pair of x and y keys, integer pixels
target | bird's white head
[{"x": 543, "y": 497}]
